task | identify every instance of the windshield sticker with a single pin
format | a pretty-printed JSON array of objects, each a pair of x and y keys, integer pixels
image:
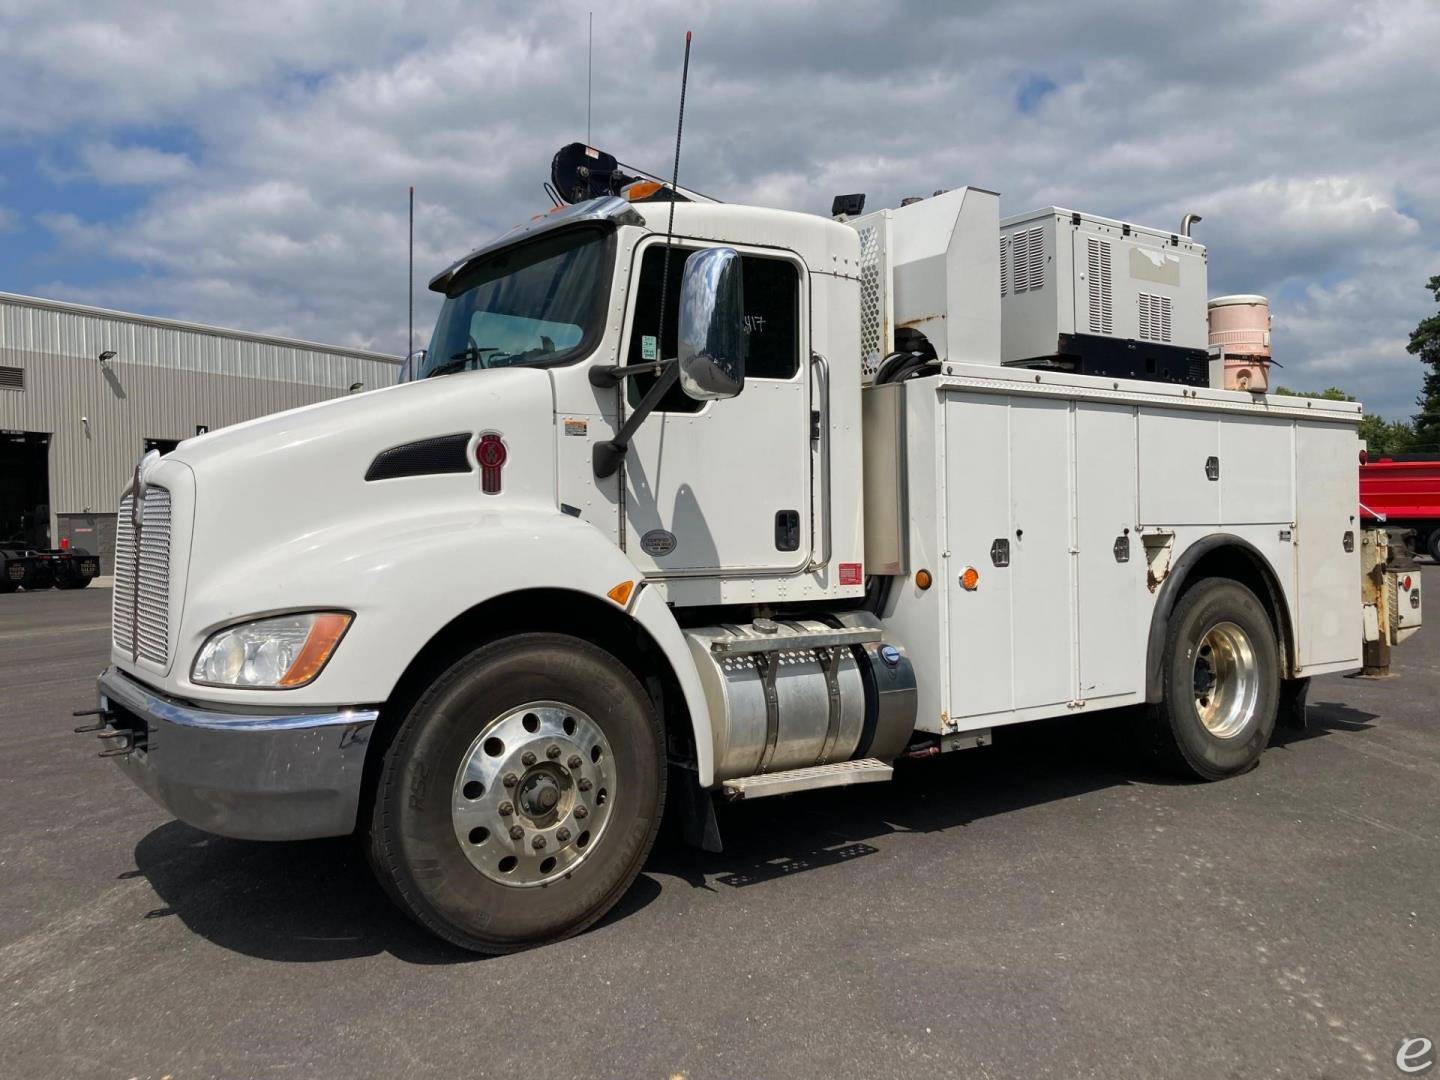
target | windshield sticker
[
  {"x": 575, "y": 427},
  {"x": 647, "y": 347}
]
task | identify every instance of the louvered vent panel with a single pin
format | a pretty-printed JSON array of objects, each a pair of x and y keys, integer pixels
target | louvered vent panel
[
  {"x": 1019, "y": 262},
  {"x": 1027, "y": 260},
  {"x": 1102, "y": 291},
  {"x": 12, "y": 378},
  {"x": 1037, "y": 258},
  {"x": 1155, "y": 319},
  {"x": 1004, "y": 266}
]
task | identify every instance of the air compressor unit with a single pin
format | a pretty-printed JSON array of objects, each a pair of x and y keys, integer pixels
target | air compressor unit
[{"x": 1094, "y": 296}]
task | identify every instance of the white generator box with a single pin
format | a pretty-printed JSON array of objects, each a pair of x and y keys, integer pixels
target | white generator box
[
  {"x": 930, "y": 267},
  {"x": 1076, "y": 286}
]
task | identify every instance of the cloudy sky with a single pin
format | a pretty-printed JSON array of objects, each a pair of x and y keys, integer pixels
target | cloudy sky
[{"x": 246, "y": 164}]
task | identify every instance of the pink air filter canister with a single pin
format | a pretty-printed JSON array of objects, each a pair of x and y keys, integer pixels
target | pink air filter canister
[{"x": 1240, "y": 325}]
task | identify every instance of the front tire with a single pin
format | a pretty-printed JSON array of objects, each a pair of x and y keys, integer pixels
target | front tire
[
  {"x": 1221, "y": 683},
  {"x": 521, "y": 795}
]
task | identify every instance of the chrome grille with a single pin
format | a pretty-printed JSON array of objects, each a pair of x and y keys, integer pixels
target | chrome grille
[{"x": 140, "y": 622}]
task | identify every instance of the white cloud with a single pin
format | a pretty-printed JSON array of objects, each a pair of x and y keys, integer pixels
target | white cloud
[
  {"x": 111, "y": 164},
  {"x": 1298, "y": 128}
]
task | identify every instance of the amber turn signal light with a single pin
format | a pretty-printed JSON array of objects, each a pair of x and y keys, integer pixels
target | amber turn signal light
[
  {"x": 970, "y": 579},
  {"x": 325, "y": 633},
  {"x": 621, "y": 593},
  {"x": 922, "y": 579}
]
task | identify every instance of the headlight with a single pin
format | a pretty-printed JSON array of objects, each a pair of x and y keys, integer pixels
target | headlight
[{"x": 276, "y": 653}]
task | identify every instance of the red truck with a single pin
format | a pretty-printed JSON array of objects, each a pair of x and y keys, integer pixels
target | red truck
[{"x": 1403, "y": 491}]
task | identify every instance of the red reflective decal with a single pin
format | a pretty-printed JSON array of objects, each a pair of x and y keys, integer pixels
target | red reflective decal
[
  {"x": 490, "y": 452},
  {"x": 850, "y": 573}
]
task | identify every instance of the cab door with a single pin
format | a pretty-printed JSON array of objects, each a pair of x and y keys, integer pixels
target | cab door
[{"x": 721, "y": 488}]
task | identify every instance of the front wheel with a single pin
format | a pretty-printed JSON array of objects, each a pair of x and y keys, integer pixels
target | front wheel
[
  {"x": 521, "y": 795},
  {"x": 1221, "y": 683}
]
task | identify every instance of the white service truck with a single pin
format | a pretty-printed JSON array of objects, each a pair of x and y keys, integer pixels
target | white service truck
[{"x": 755, "y": 511}]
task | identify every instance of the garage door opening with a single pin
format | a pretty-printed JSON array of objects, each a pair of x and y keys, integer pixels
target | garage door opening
[{"x": 25, "y": 489}]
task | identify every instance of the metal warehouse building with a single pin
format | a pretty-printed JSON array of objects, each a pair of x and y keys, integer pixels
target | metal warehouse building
[{"x": 85, "y": 391}]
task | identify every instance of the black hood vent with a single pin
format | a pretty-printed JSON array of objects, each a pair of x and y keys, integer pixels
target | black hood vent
[{"x": 424, "y": 457}]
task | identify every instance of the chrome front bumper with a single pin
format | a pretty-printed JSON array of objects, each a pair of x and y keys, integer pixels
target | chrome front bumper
[{"x": 272, "y": 776}]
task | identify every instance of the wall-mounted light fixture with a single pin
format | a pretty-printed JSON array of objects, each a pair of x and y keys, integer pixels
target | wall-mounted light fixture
[
  {"x": 356, "y": 387},
  {"x": 105, "y": 357}
]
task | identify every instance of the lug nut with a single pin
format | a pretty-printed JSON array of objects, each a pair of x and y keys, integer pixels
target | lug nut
[
  {"x": 552, "y": 752},
  {"x": 584, "y": 784},
  {"x": 527, "y": 758},
  {"x": 562, "y": 835},
  {"x": 574, "y": 761},
  {"x": 510, "y": 779},
  {"x": 538, "y": 843},
  {"x": 581, "y": 813},
  {"x": 506, "y": 809},
  {"x": 516, "y": 832}
]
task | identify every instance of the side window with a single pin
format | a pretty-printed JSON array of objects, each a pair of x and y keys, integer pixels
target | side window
[{"x": 772, "y": 321}]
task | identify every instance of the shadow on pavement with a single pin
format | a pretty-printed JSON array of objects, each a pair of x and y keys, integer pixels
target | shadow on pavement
[
  {"x": 1325, "y": 718},
  {"x": 315, "y": 901},
  {"x": 1028, "y": 765},
  {"x": 303, "y": 902}
]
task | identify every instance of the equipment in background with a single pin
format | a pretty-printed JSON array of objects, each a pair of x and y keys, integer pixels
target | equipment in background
[
  {"x": 1240, "y": 342},
  {"x": 1093, "y": 296}
]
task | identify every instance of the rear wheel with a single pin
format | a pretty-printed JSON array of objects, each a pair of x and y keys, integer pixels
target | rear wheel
[
  {"x": 1432, "y": 544},
  {"x": 1221, "y": 683},
  {"x": 69, "y": 579},
  {"x": 521, "y": 795}
]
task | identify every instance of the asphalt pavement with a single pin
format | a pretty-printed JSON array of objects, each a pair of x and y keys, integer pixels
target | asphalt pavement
[{"x": 1048, "y": 906}]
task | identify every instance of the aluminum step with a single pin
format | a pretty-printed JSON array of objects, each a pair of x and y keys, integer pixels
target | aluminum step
[{"x": 840, "y": 774}]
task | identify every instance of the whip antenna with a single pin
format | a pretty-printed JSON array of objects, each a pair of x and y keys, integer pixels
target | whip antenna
[
  {"x": 674, "y": 194},
  {"x": 410, "y": 340}
]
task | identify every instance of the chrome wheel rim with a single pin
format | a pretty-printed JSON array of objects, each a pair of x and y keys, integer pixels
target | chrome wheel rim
[
  {"x": 533, "y": 794},
  {"x": 1226, "y": 680}
]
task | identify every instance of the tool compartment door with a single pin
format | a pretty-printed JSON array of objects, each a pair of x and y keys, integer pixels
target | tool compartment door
[
  {"x": 1327, "y": 506},
  {"x": 1110, "y": 557},
  {"x": 1009, "y": 517}
]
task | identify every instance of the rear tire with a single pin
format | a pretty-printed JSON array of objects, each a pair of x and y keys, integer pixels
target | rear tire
[
  {"x": 1221, "y": 673},
  {"x": 541, "y": 734},
  {"x": 1432, "y": 544}
]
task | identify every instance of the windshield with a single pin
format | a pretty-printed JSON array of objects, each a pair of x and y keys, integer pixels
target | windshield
[{"x": 534, "y": 305}]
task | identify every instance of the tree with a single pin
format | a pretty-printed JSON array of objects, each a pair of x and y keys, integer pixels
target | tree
[
  {"x": 1381, "y": 436},
  {"x": 1425, "y": 343}
]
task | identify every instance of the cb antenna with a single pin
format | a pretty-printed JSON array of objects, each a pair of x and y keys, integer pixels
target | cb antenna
[
  {"x": 674, "y": 190},
  {"x": 589, "y": 77},
  {"x": 410, "y": 283}
]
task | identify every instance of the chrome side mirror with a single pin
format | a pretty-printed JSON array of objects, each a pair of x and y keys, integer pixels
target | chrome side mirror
[
  {"x": 410, "y": 365},
  {"x": 712, "y": 325}
]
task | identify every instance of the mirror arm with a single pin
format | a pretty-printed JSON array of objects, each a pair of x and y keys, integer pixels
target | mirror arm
[
  {"x": 607, "y": 378},
  {"x": 606, "y": 456}
]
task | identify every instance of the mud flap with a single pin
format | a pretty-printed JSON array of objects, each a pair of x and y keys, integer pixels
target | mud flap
[{"x": 1291, "y": 713}]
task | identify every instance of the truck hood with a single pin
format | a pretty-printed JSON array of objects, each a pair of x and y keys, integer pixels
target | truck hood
[
  {"x": 278, "y": 505},
  {"x": 376, "y": 419}
]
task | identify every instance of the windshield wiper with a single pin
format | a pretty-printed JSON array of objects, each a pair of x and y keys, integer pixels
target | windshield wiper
[{"x": 461, "y": 360}]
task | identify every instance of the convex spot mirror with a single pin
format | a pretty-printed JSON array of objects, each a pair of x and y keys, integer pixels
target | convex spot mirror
[{"x": 712, "y": 325}]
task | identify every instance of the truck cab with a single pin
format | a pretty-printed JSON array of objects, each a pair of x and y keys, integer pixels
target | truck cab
[{"x": 688, "y": 500}]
